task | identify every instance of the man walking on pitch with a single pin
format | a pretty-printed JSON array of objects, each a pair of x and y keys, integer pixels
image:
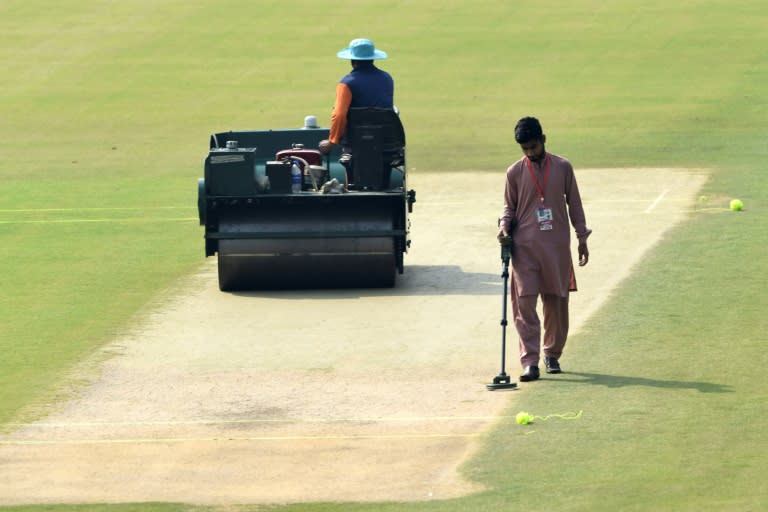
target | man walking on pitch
[{"x": 540, "y": 196}]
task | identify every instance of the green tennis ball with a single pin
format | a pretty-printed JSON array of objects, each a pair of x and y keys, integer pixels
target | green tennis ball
[
  {"x": 523, "y": 418},
  {"x": 737, "y": 205}
]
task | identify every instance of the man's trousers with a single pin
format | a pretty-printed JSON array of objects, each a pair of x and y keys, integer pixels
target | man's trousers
[{"x": 555, "y": 309}]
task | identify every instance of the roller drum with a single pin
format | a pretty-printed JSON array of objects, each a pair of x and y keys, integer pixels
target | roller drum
[{"x": 306, "y": 247}]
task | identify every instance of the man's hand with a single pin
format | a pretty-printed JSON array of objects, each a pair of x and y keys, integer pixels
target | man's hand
[
  {"x": 325, "y": 146},
  {"x": 507, "y": 246},
  {"x": 583, "y": 253}
]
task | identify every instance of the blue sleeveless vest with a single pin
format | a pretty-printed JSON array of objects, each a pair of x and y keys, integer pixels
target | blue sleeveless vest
[{"x": 370, "y": 86}]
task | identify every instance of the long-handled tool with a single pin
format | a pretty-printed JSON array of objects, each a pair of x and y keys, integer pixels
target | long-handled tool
[{"x": 502, "y": 380}]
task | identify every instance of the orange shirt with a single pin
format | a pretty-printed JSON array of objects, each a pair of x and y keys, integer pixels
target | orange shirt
[{"x": 340, "y": 110}]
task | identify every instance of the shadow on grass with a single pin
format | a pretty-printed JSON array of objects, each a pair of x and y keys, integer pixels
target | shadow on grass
[{"x": 619, "y": 381}]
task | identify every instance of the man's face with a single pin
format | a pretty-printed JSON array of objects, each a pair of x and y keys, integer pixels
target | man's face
[{"x": 534, "y": 149}]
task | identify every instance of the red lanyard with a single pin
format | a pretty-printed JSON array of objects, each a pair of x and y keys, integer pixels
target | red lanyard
[{"x": 540, "y": 187}]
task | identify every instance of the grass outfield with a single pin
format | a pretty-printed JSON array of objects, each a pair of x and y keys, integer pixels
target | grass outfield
[{"x": 106, "y": 108}]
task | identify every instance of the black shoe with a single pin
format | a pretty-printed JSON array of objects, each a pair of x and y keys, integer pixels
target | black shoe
[
  {"x": 530, "y": 373},
  {"x": 553, "y": 365}
]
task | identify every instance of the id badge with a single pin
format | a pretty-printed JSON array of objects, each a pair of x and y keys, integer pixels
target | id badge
[{"x": 544, "y": 218}]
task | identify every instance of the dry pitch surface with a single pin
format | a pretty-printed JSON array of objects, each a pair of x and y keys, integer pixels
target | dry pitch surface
[{"x": 355, "y": 395}]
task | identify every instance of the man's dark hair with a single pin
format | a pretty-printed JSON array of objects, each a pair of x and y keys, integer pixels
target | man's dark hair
[{"x": 528, "y": 129}]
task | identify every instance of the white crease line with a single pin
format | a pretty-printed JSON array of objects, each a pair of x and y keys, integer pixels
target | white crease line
[
  {"x": 626, "y": 200},
  {"x": 656, "y": 202},
  {"x": 94, "y": 209},
  {"x": 23, "y": 442},
  {"x": 171, "y": 423},
  {"x": 622, "y": 200},
  {"x": 76, "y": 221}
]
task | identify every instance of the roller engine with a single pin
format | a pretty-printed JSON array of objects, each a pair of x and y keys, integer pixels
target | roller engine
[{"x": 281, "y": 215}]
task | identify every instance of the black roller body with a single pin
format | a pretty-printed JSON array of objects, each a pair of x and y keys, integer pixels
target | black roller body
[
  {"x": 310, "y": 244},
  {"x": 269, "y": 234}
]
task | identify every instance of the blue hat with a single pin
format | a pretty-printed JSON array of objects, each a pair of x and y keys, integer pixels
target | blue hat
[{"x": 361, "y": 49}]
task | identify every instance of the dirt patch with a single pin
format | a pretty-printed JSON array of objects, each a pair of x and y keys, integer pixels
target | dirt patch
[{"x": 355, "y": 395}]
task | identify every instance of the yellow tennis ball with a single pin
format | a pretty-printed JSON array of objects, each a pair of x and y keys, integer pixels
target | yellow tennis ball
[
  {"x": 523, "y": 418},
  {"x": 737, "y": 205}
]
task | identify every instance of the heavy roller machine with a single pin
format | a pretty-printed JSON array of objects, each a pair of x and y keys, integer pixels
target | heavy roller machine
[{"x": 280, "y": 215}]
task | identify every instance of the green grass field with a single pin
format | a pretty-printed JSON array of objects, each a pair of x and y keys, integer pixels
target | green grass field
[{"x": 106, "y": 108}]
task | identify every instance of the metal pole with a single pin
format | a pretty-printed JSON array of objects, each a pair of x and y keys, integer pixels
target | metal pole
[{"x": 502, "y": 381}]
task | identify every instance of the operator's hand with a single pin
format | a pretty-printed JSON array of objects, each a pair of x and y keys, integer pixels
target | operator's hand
[
  {"x": 504, "y": 238},
  {"x": 325, "y": 146},
  {"x": 583, "y": 253}
]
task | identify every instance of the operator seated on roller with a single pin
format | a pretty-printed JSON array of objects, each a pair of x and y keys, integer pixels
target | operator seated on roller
[{"x": 364, "y": 86}]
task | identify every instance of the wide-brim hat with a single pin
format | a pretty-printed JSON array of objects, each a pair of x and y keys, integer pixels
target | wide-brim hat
[{"x": 361, "y": 49}]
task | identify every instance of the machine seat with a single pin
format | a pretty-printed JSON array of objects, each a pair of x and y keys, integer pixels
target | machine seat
[{"x": 376, "y": 140}]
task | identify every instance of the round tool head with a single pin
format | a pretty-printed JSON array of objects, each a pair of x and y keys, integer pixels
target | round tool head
[{"x": 501, "y": 381}]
